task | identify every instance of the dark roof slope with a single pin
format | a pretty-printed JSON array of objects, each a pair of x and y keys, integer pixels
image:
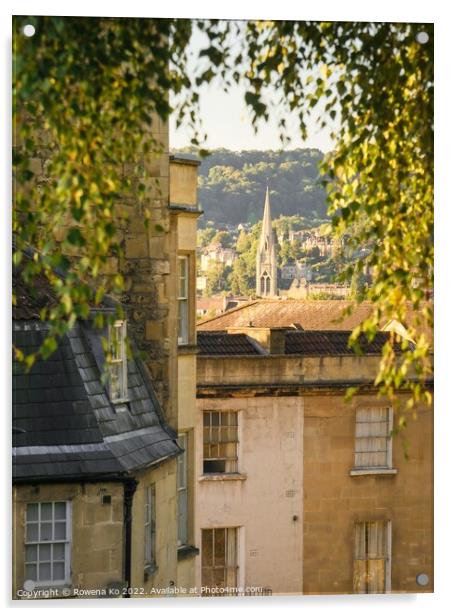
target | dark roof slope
[
  {"x": 221, "y": 343},
  {"x": 314, "y": 343},
  {"x": 65, "y": 426}
]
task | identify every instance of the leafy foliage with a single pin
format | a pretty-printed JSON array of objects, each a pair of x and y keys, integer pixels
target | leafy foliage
[
  {"x": 372, "y": 84},
  {"x": 87, "y": 90},
  {"x": 86, "y": 94}
]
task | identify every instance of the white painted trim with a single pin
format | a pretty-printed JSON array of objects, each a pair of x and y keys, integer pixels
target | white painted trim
[
  {"x": 223, "y": 477},
  {"x": 67, "y": 543},
  {"x": 389, "y": 445},
  {"x": 373, "y": 471},
  {"x": 122, "y": 326}
]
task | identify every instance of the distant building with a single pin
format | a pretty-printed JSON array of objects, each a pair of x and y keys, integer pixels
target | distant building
[
  {"x": 215, "y": 253},
  {"x": 296, "y": 269},
  {"x": 310, "y": 240},
  {"x": 215, "y": 305},
  {"x": 201, "y": 283},
  {"x": 301, "y": 288},
  {"x": 266, "y": 258}
]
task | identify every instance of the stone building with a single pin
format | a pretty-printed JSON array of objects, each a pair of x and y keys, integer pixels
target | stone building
[
  {"x": 105, "y": 464},
  {"x": 266, "y": 262},
  {"x": 184, "y": 212},
  {"x": 300, "y": 491},
  {"x": 94, "y": 463}
]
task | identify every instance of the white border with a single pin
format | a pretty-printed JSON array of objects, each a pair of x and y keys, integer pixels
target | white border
[{"x": 414, "y": 10}]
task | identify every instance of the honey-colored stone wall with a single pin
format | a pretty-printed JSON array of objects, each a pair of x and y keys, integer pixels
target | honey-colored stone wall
[
  {"x": 184, "y": 183},
  {"x": 165, "y": 575},
  {"x": 97, "y": 531},
  {"x": 150, "y": 287},
  {"x": 334, "y": 500}
]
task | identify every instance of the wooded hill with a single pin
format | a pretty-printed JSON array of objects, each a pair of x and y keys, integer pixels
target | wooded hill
[{"x": 232, "y": 185}]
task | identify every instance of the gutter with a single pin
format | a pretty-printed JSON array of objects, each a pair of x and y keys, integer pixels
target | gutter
[{"x": 130, "y": 486}]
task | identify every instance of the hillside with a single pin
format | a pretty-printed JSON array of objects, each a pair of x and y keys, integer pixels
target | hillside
[{"x": 232, "y": 185}]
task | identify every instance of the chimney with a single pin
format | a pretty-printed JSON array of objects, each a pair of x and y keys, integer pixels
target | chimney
[{"x": 272, "y": 341}]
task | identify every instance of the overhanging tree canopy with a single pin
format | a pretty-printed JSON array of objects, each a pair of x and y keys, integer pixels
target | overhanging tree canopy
[{"x": 82, "y": 84}]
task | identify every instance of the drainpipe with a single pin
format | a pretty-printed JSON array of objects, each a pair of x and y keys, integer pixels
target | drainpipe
[{"x": 130, "y": 485}]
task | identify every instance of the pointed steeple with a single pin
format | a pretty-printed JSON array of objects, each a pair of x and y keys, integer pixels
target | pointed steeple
[
  {"x": 266, "y": 271},
  {"x": 267, "y": 219}
]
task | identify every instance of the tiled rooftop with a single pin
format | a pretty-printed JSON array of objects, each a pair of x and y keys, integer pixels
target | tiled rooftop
[
  {"x": 315, "y": 343},
  {"x": 221, "y": 343},
  {"x": 317, "y": 315}
]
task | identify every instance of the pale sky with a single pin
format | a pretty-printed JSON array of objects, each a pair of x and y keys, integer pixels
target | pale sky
[{"x": 227, "y": 121}]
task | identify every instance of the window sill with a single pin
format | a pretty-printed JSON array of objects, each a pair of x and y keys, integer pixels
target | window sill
[
  {"x": 372, "y": 471},
  {"x": 186, "y": 551},
  {"x": 223, "y": 477}
]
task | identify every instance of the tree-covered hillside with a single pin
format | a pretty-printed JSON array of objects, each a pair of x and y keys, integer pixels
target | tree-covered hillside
[{"x": 232, "y": 185}]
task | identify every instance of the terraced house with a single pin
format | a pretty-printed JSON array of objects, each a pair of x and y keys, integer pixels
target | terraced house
[{"x": 300, "y": 491}]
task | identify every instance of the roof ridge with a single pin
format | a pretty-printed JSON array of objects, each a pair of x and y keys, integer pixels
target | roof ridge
[{"x": 250, "y": 303}]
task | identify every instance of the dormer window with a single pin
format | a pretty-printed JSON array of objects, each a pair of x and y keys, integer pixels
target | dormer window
[{"x": 117, "y": 367}]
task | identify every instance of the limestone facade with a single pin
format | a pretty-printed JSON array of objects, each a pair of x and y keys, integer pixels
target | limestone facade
[{"x": 297, "y": 496}]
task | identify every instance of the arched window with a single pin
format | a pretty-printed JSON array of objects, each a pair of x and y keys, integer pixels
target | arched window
[{"x": 265, "y": 284}]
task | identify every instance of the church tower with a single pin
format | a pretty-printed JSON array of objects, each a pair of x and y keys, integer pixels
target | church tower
[{"x": 266, "y": 270}]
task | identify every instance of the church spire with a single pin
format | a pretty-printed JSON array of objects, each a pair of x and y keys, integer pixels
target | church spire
[
  {"x": 266, "y": 271},
  {"x": 267, "y": 220}
]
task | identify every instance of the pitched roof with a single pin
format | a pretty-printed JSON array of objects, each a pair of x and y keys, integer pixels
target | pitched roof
[
  {"x": 326, "y": 315},
  {"x": 318, "y": 343},
  {"x": 64, "y": 424},
  {"x": 311, "y": 314},
  {"x": 221, "y": 343}
]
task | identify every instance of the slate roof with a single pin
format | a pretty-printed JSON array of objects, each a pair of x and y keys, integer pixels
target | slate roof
[
  {"x": 315, "y": 343},
  {"x": 221, "y": 343},
  {"x": 64, "y": 425},
  {"x": 307, "y": 343}
]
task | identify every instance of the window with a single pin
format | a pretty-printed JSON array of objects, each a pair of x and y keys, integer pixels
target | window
[
  {"x": 182, "y": 492},
  {"x": 149, "y": 528},
  {"x": 372, "y": 559},
  {"x": 117, "y": 368},
  {"x": 265, "y": 284},
  {"x": 47, "y": 543},
  {"x": 220, "y": 441},
  {"x": 219, "y": 559},
  {"x": 182, "y": 297},
  {"x": 373, "y": 444}
]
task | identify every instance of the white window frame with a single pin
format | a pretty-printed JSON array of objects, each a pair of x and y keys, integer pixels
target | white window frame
[
  {"x": 182, "y": 490},
  {"x": 118, "y": 358},
  {"x": 211, "y": 441},
  {"x": 51, "y": 542},
  {"x": 388, "y": 556},
  {"x": 183, "y": 299},
  {"x": 372, "y": 433},
  {"x": 150, "y": 528}
]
